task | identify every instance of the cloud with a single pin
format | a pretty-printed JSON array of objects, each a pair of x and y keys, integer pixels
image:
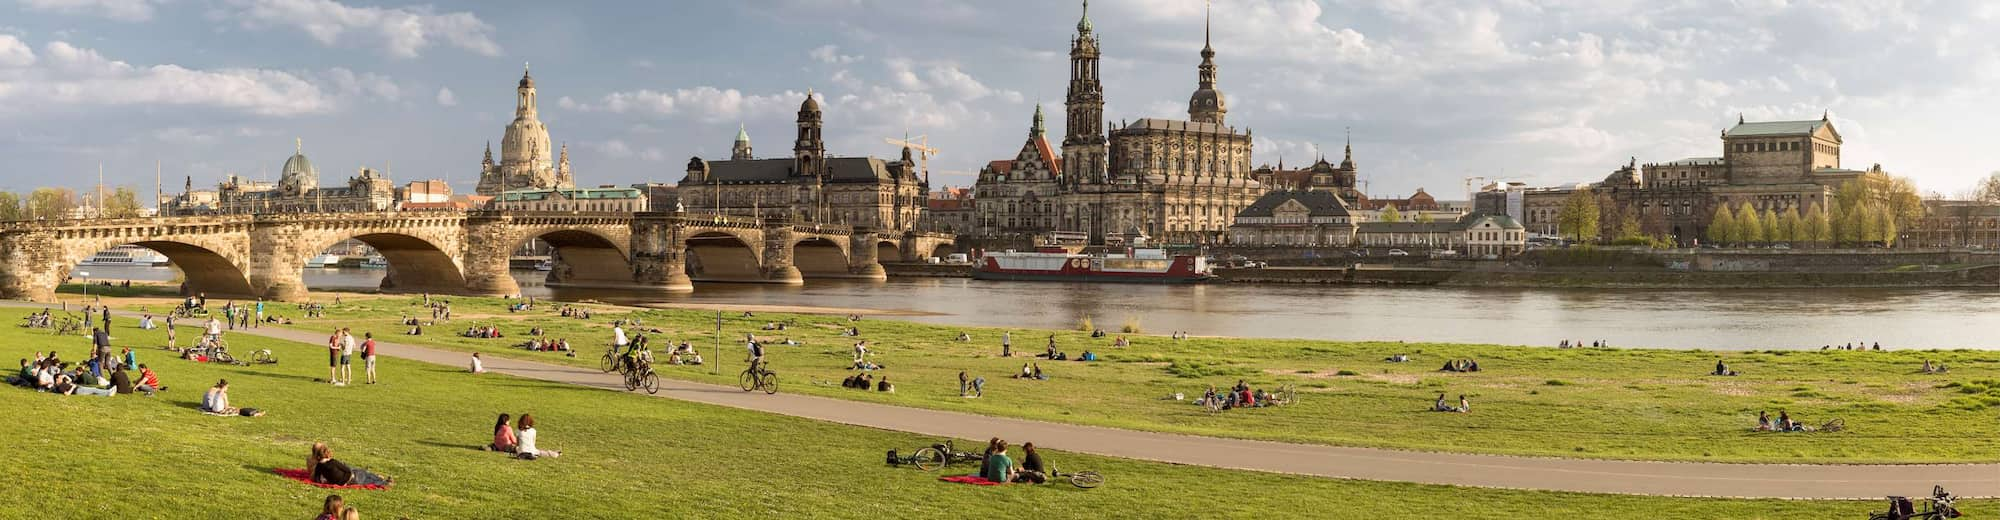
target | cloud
[
  {"x": 704, "y": 103},
  {"x": 366, "y": 84},
  {"x": 446, "y": 98},
  {"x": 831, "y": 54},
  {"x": 71, "y": 76},
  {"x": 615, "y": 149},
  {"x": 653, "y": 154},
  {"x": 402, "y": 32},
  {"x": 14, "y": 52},
  {"x": 121, "y": 10}
]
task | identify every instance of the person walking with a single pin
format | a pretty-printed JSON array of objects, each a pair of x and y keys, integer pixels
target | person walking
[
  {"x": 368, "y": 355},
  {"x": 170, "y": 332},
  {"x": 260, "y": 313}
]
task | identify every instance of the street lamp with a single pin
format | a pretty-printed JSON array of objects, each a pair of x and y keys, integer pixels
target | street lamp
[{"x": 86, "y": 283}]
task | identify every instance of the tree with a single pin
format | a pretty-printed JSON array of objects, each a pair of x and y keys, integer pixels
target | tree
[
  {"x": 1722, "y": 228},
  {"x": 1771, "y": 231},
  {"x": 1578, "y": 218},
  {"x": 1818, "y": 227},
  {"x": 1861, "y": 225},
  {"x": 1628, "y": 228},
  {"x": 1987, "y": 189},
  {"x": 1389, "y": 214},
  {"x": 1792, "y": 228},
  {"x": 10, "y": 206},
  {"x": 1900, "y": 200},
  {"x": 1426, "y": 218},
  {"x": 1750, "y": 227},
  {"x": 123, "y": 203},
  {"x": 51, "y": 203},
  {"x": 1884, "y": 227}
]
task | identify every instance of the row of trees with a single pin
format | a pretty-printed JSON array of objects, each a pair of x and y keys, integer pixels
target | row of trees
[
  {"x": 59, "y": 203},
  {"x": 1869, "y": 210}
]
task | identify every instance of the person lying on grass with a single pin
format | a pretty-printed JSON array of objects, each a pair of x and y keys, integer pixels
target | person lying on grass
[{"x": 327, "y": 470}]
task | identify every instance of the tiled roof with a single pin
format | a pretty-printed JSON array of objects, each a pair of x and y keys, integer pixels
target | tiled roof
[
  {"x": 1774, "y": 128},
  {"x": 1048, "y": 154},
  {"x": 1319, "y": 202},
  {"x": 1000, "y": 166},
  {"x": 842, "y": 169}
]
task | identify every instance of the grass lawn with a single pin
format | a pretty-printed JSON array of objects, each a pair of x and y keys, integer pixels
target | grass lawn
[
  {"x": 1596, "y": 403},
  {"x": 624, "y": 456}
]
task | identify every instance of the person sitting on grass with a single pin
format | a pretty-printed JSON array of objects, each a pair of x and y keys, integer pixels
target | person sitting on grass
[
  {"x": 327, "y": 470},
  {"x": 1398, "y": 358},
  {"x": 1934, "y": 368},
  {"x": 1033, "y": 470},
  {"x": 1037, "y": 374},
  {"x": 963, "y": 337},
  {"x": 24, "y": 378},
  {"x": 1122, "y": 342},
  {"x": 503, "y": 435},
  {"x": 1722, "y": 369},
  {"x": 1464, "y": 406},
  {"x": 147, "y": 379},
  {"x": 122, "y": 383},
  {"x": 526, "y": 449},
  {"x": 1763, "y": 421},
  {"x": 216, "y": 401},
  {"x": 1026, "y": 372},
  {"x": 1087, "y": 356},
  {"x": 333, "y": 509},
  {"x": 1208, "y": 397},
  {"x": 884, "y": 386},
  {"x": 1440, "y": 405},
  {"x": 477, "y": 366},
  {"x": 998, "y": 466},
  {"x": 1785, "y": 421}
]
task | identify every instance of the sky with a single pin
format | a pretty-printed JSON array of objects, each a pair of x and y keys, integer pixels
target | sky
[{"x": 1431, "y": 92}]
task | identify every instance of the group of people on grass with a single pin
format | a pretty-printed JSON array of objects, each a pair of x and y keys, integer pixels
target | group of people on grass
[
  {"x": 336, "y": 508},
  {"x": 1851, "y": 346},
  {"x": 999, "y": 464},
  {"x": 865, "y": 381},
  {"x": 518, "y": 438},
  {"x": 53, "y": 375},
  {"x": 575, "y": 312},
  {"x": 1239, "y": 396},
  {"x": 1460, "y": 365},
  {"x": 1464, "y": 405},
  {"x": 1578, "y": 344},
  {"x": 1783, "y": 424},
  {"x": 485, "y": 332},
  {"x": 340, "y": 350}
]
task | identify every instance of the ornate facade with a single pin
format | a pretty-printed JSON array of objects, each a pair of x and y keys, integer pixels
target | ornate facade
[
  {"x": 809, "y": 186},
  {"x": 525, "y": 158},
  {"x": 298, "y": 190},
  {"x": 1022, "y": 195},
  {"x": 1177, "y": 181}
]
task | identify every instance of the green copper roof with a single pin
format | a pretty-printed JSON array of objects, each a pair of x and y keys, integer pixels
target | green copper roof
[
  {"x": 742, "y": 134},
  {"x": 1775, "y": 128},
  {"x": 1083, "y": 26}
]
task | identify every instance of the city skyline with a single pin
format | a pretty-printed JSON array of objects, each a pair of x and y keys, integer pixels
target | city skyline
[{"x": 1544, "y": 94}]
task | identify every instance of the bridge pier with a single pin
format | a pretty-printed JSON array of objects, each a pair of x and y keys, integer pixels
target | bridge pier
[
  {"x": 274, "y": 251},
  {"x": 659, "y": 254},
  {"x": 488, "y": 247},
  {"x": 865, "y": 262},
  {"x": 34, "y": 267},
  {"x": 778, "y": 257}
]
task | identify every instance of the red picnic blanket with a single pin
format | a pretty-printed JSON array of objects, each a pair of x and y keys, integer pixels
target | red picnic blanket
[
  {"x": 301, "y": 476},
  {"x": 975, "y": 480}
]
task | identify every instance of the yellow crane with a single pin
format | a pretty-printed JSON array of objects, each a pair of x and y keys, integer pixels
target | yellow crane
[{"x": 920, "y": 145}]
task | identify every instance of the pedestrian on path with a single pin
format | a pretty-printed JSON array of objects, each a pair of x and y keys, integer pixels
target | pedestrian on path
[
  {"x": 346, "y": 356},
  {"x": 260, "y": 313}
]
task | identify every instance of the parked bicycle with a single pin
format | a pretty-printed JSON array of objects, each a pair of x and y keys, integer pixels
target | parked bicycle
[
  {"x": 1937, "y": 507},
  {"x": 759, "y": 377},
  {"x": 1080, "y": 479},
  {"x": 68, "y": 325}
]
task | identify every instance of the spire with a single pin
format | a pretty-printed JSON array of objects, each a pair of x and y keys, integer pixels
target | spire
[
  {"x": 1207, "y": 14},
  {"x": 1824, "y": 114},
  {"x": 1037, "y": 130},
  {"x": 299, "y": 144},
  {"x": 489, "y": 152},
  {"x": 1739, "y": 118},
  {"x": 1083, "y": 26},
  {"x": 742, "y": 133},
  {"x": 1207, "y": 105}
]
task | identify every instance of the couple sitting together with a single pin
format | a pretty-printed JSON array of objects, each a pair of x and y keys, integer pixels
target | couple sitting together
[{"x": 522, "y": 445}]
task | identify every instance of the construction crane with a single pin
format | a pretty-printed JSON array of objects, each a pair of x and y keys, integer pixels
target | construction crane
[{"x": 920, "y": 145}]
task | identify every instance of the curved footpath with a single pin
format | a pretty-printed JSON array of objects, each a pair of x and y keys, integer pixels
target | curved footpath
[{"x": 1797, "y": 481}]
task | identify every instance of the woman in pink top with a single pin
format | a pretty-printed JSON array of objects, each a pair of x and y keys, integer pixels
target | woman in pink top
[{"x": 503, "y": 436}]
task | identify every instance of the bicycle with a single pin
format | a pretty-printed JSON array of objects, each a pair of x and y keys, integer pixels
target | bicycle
[
  {"x": 264, "y": 357},
  {"x": 69, "y": 325},
  {"x": 642, "y": 377},
  {"x": 758, "y": 377},
  {"x": 1937, "y": 507},
  {"x": 1286, "y": 394},
  {"x": 1080, "y": 479},
  {"x": 937, "y": 456},
  {"x": 610, "y": 361}
]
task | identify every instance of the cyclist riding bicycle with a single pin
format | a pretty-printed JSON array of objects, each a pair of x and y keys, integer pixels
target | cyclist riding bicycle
[
  {"x": 636, "y": 356},
  {"x": 756, "y": 355}
]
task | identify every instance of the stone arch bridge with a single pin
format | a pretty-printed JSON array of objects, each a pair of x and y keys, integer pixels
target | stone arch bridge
[{"x": 461, "y": 252}]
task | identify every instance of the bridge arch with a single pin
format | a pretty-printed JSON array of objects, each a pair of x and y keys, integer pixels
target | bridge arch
[
  {"x": 888, "y": 251},
  {"x": 416, "y": 263},
  {"x": 821, "y": 257},
  {"x": 724, "y": 256},
  {"x": 584, "y": 256},
  {"x": 205, "y": 268}
]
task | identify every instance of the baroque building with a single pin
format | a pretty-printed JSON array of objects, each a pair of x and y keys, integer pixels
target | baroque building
[
  {"x": 298, "y": 191},
  {"x": 809, "y": 186},
  {"x": 526, "y": 161},
  {"x": 1172, "y": 180},
  {"x": 1022, "y": 195}
]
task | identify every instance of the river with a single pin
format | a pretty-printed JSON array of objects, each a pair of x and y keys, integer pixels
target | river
[{"x": 1716, "y": 319}]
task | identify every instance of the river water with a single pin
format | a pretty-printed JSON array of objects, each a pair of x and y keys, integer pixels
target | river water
[{"x": 1716, "y": 319}]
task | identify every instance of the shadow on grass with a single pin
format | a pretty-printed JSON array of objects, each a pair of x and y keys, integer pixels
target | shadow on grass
[{"x": 452, "y": 445}]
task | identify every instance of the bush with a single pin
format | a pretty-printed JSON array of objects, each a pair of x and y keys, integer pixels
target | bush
[
  {"x": 1086, "y": 325},
  {"x": 1131, "y": 325},
  {"x": 1556, "y": 382},
  {"x": 1347, "y": 373}
]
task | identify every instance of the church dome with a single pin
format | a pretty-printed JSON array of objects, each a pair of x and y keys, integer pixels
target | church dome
[
  {"x": 1207, "y": 99},
  {"x": 298, "y": 175},
  {"x": 810, "y": 105}
]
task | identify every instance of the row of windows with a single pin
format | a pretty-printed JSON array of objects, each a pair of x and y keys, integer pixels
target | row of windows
[{"x": 1786, "y": 146}]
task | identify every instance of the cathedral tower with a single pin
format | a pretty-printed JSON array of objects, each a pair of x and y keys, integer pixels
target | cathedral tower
[
  {"x": 527, "y": 158},
  {"x": 808, "y": 152},
  {"x": 1083, "y": 141},
  {"x": 741, "y": 150},
  {"x": 1207, "y": 105}
]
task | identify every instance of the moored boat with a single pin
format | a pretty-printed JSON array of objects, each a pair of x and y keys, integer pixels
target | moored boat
[{"x": 1057, "y": 264}]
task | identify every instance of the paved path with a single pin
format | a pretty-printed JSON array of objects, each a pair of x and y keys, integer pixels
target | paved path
[{"x": 1497, "y": 471}]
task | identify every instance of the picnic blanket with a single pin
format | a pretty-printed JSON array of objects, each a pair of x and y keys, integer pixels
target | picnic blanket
[
  {"x": 301, "y": 476},
  {"x": 975, "y": 480}
]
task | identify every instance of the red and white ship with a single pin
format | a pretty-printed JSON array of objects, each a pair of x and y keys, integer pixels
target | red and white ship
[{"x": 1057, "y": 264}]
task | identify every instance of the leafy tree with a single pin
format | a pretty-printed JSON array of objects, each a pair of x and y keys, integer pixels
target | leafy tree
[
  {"x": 10, "y": 206},
  {"x": 1988, "y": 189},
  {"x": 1579, "y": 216},
  {"x": 1771, "y": 231},
  {"x": 1862, "y": 223},
  {"x": 1899, "y": 199},
  {"x": 1750, "y": 227},
  {"x": 1425, "y": 218},
  {"x": 51, "y": 203},
  {"x": 1818, "y": 227},
  {"x": 1628, "y": 228},
  {"x": 1884, "y": 227},
  {"x": 1722, "y": 228},
  {"x": 1792, "y": 228},
  {"x": 123, "y": 203},
  {"x": 1389, "y": 214}
]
